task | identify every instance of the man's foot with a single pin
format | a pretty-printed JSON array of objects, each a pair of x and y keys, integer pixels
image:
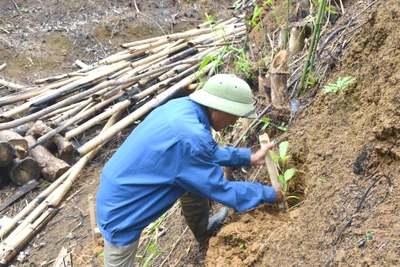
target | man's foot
[{"x": 214, "y": 223}]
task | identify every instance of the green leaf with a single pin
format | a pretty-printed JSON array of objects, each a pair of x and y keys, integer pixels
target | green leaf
[
  {"x": 264, "y": 127},
  {"x": 369, "y": 235},
  {"x": 265, "y": 119},
  {"x": 275, "y": 158},
  {"x": 283, "y": 147},
  {"x": 101, "y": 254},
  {"x": 281, "y": 180},
  {"x": 289, "y": 174},
  {"x": 148, "y": 260},
  {"x": 152, "y": 247}
]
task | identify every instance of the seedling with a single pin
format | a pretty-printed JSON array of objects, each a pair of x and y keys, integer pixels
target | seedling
[
  {"x": 369, "y": 235},
  {"x": 267, "y": 122},
  {"x": 340, "y": 84},
  {"x": 280, "y": 161}
]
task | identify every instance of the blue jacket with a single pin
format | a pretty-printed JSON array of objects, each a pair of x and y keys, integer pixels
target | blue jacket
[{"x": 170, "y": 152}]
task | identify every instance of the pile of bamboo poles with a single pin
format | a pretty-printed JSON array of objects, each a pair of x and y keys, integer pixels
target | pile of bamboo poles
[{"x": 143, "y": 76}]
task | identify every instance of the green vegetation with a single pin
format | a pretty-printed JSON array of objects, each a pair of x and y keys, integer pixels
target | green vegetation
[
  {"x": 281, "y": 160},
  {"x": 267, "y": 122},
  {"x": 339, "y": 85}
]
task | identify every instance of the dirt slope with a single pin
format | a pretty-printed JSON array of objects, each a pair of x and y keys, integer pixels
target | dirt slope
[
  {"x": 345, "y": 145},
  {"x": 357, "y": 128}
]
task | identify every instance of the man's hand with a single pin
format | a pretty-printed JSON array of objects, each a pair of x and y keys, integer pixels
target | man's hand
[
  {"x": 258, "y": 158},
  {"x": 279, "y": 195}
]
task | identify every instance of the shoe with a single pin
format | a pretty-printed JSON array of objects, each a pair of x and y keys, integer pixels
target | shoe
[{"x": 214, "y": 223}]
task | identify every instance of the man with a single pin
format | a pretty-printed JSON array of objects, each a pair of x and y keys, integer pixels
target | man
[{"x": 172, "y": 155}]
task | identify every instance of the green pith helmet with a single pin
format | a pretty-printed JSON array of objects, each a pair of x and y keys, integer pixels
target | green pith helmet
[{"x": 228, "y": 93}]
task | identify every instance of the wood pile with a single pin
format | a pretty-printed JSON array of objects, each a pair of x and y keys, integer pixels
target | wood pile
[{"x": 114, "y": 92}]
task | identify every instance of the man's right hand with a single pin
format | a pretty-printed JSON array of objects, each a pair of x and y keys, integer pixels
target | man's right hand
[{"x": 279, "y": 195}]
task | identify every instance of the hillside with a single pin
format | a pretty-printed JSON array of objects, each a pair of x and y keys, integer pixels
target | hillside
[{"x": 345, "y": 146}]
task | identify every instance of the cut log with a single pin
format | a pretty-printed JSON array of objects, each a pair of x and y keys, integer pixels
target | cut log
[
  {"x": 7, "y": 154},
  {"x": 65, "y": 148},
  {"x": 52, "y": 167},
  {"x": 14, "y": 139},
  {"x": 22, "y": 171}
]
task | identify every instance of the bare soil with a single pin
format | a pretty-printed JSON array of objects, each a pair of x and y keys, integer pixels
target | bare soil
[{"x": 345, "y": 145}]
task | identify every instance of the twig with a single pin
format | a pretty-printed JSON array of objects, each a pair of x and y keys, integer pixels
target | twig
[
  {"x": 16, "y": 6},
  {"x": 362, "y": 11},
  {"x": 354, "y": 213},
  {"x": 136, "y": 7},
  {"x": 173, "y": 247},
  {"x": 251, "y": 125}
]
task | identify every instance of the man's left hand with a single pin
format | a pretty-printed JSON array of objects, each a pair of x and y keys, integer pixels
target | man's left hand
[{"x": 258, "y": 158}]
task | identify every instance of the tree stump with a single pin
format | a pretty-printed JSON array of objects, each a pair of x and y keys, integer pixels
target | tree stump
[
  {"x": 279, "y": 76},
  {"x": 52, "y": 167}
]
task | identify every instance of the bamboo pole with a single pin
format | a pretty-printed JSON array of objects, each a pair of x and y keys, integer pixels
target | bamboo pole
[
  {"x": 80, "y": 64},
  {"x": 59, "y": 111},
  {"x": 29, "y": 232},
  {"x": 34, "y": 203},
  {"x": 80, "y": 116},
  {"x": 98, "y": 119},
  {"x": 218, "y": 33},
  {"x": 36, "y": 91},
  {"x": 11, "y": 85},
  {"x": 171, "y": 37},
  {"x": 33, "y": 117},
  {"x": 122, "y": 124},
  {"x": 53, "y": 199},
  {"x": 272, "y": 170},
  {"x": 72, "y": 112},
  {"x": 3, "y": 66}
]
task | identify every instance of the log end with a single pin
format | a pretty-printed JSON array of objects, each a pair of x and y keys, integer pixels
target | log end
[{"x": 24, "y": 171}]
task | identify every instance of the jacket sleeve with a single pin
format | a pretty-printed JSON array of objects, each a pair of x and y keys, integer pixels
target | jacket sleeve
[
  {"x": 200, "y": 174},
  {"x": 231, "y": 156}
]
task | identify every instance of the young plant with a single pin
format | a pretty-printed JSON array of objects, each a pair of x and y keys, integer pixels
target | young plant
[
  {"x": 339, "y": 85},
  {"x": 267, "y": 122},
  {"x": 280, "y": 161}
]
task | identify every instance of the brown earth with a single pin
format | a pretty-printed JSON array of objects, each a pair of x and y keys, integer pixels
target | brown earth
[{"x": 344, "y": 145}]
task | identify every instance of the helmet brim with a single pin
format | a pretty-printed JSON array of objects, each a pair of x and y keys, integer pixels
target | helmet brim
[{"x": 235, "y": 108}]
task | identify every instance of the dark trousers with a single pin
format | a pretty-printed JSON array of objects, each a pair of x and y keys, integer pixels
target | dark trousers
[{"x": 196, "y": 211}]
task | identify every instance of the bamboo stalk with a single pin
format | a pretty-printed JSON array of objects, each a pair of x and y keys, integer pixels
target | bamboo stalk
[
  {"x": 272, "y": 170},
  {"x": 59, "y": 111},
  {"x": 166, "y": 46},
  {"x": 72, "y": 112},
  {"x": 92, "y": 217},
  {"x": 117, "y": 58},
  {"x": 122, "y": 124},
  {"x": 311, "y": 50},
  {"x": 98, "y": 119},
  {"x": 28, "y": 208},
  {"x": 33, "y": 117},
  {"x": 171, "y": 37},
  {"x": 54, "y": 198},
  {"x": 80, "y": 116},
  {"x": 3, "y": 66},
  {"x": 12, "y": 85},
  {"x": 29, "y": 232},
  {"x": 218, "y": 33},
  {"x": 80, "y": 64}
]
